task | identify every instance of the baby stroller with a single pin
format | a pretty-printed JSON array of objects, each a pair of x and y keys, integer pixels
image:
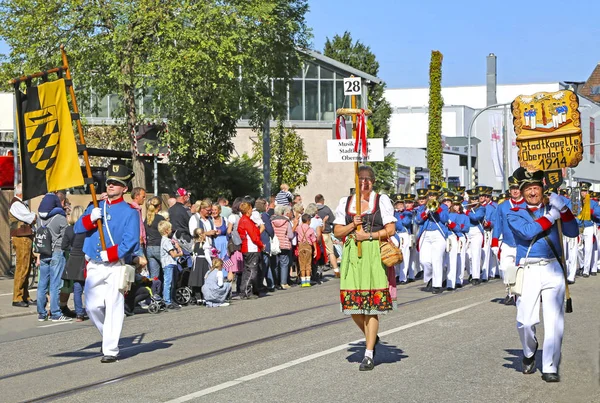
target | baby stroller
[
  {"x": 156, "y": 304},
  {"x": 183, "y": 293}
]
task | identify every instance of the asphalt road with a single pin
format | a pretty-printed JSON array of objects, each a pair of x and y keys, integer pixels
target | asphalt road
[{"x": 296, "y": 346}]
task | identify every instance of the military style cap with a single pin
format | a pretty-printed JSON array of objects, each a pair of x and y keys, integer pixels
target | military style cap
[
  {"x": 422, "y": 193},
  {"x": 447, "y": 195},
  {"x": 585, "y": 185},
  {"x": 473, "y": 192},
  {"x": 409, "y": 197},
  {"x": 119, "y": 173},
  {"x": 512, "y": 182},
  {"x": 501, "y": 198},
  {"x": 564, "y": 192},
  {"x": 399, "y": 198},
  {"x": 433, "y": 189},
  {"x": 594, "y": 195},
  {"x": 495, "y": 199},
  {"x": 457, "y": 199},
  {"x": 482, "y": 190},
  {"x": 460, "y": 189},
  {"x": 528, "y": 178}
]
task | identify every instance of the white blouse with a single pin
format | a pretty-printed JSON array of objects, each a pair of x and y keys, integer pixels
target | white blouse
[{"x": 385, "y": 206}]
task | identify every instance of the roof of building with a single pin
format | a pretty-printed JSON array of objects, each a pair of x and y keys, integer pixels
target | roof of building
[{"x": 341, "y": 66}]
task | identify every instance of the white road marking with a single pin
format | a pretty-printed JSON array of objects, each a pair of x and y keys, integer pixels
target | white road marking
[
  {"x": 57, "y": 324},
  {"x": 311, "y": 357}
]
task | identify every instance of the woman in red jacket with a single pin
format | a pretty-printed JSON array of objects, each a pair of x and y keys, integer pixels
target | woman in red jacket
[{"x": 251, "y": 248}]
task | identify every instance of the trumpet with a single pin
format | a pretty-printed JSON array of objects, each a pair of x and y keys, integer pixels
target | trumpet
[
  {"x": 472, "y": 205},
  {"x": 432, "y": 205}
]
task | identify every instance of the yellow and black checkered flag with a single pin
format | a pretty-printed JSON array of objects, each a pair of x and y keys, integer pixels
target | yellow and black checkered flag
[{"x": 49, "y": 159}]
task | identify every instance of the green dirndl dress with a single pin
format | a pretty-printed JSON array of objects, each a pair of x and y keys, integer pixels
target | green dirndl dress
[{"x": 364, "y": 288}]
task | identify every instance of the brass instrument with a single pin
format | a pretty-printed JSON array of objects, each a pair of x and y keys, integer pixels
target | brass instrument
[
  {"x": 432, "y": 205},
  {"x": 472, "y": 205}
]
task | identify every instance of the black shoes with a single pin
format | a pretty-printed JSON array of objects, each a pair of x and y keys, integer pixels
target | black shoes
[
  {"x": 570, "y": 282},
  {"x": 449, "y": 289},
  {"x": 108, "y": 359},
  {"x": 529, "y": 363},
  {"x": 436, "y": 290},
  {"x": 21, "y": 304},
  {"x": 475, "y": 281},
  {"x": 593, "y": 274},
  {"x": 67, "y": 312},
  {"x": 428, "y": 287},
  {"x": 550, "y": 377},
  {"x": 584, "y": 275},
  {"x": 367, "y": 364},
  {"x": 458, "y": 285}
]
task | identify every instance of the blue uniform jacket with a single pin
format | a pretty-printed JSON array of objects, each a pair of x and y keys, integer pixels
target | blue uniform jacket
[
  {"x": 490, "y": 216},
  {"x": 501, "y": 228},
  {"x": 400, "y": 228},
  {"x": 595, "y": 214},
  {"x": 462, "y": 224},
  {"x": 406, "y": 217},
  {"x": 476, "y": 217},
  {"x": 525, "y": 228},
  {"x": 124, "y": 223},
  {"x": 427, "y": 221}
]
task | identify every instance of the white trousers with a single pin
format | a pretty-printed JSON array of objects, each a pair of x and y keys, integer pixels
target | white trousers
[
  {"x": 453, "y": 257},
  {"x": 432, "y": 249},
  {"x": 475, "y": 249},
  {"x": 415, "y": 264},
  {"x": 406, "y": 270},
  {"x": 462, "y": 246},
  {"x": 588, "y": 250},
  {"x": 105, "y": 303},
  {"x": 548, "y": 282},
  {"x": 486, "y": 255},
  {"x": 570, "y": 247},
  {"x": 508, "y": 257}
]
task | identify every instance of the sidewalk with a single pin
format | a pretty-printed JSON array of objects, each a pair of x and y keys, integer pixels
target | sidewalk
[{"x": 6, "y": 308}]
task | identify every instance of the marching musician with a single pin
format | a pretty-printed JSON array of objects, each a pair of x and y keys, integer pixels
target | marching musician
[
  {"x": 507, "y": 251},
  {"x": 432, "y": 240},
  {"x": 476, "y": 214},
  {"x": 458, "y": 224},
  {"x": 408, "y": 249},
  {"x": 485, "y": 196},
  {"x": 538, "y": 251},
  {"x": 589, "y": 231},
  {"x": 402, "y": 232},
  {"x": 419, "y": 209}
]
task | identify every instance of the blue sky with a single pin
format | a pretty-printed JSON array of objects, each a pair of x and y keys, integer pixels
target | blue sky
[
  {"x": 535, "y": 41},
  {"x": 540, "y": 41}
]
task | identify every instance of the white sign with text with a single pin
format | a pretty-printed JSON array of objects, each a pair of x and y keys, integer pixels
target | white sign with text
[
  {"x": 352, "y": 86},
  {"x": 343, "y": 150}
]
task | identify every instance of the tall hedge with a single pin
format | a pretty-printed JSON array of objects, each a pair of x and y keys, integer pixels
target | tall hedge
[{"x": 435, "y": 161}]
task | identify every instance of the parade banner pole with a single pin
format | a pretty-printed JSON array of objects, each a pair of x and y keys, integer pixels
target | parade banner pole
[
  {"x": 82, "y": 146},
  {"x": 356, "y": 164}
]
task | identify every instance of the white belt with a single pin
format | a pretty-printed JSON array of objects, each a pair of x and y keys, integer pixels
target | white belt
[{"x": 534, "y": 261}]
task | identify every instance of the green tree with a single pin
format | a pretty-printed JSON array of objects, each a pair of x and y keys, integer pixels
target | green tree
[
  {"x": 289, "y": 162},
  {"x": 208, "y": 62},
  {"x": 435, "y": 161}
]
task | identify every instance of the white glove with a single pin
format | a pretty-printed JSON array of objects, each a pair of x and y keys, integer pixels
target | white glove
[
  {"x": 104, "y": 254},
  {"x": 557, "y": 202},
  {"x": 96, "y": 214},
  {"x": 495, "y": 250},
  {"x": 552, "y": 215}
]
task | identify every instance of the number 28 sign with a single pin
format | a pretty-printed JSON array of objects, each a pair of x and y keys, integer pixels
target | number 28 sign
[{"x": 352, "y": 86}]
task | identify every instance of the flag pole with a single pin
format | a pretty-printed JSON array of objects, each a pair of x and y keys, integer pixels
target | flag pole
[
  {"x": 357, "y": 194},
  {"x": 86, "y": 158}
]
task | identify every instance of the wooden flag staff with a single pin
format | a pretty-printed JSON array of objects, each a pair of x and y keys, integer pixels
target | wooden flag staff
[
  {"x": 353, "y": 112},
  {"x": 75, "y": 116}
]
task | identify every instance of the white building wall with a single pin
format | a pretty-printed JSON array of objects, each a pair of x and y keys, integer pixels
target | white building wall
[{"x": 6, "y": 106}]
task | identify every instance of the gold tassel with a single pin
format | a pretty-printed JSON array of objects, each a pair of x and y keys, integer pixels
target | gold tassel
[{"x": 586, "y": 210}]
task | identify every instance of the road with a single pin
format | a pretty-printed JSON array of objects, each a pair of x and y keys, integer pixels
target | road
[{"x": 296, "y": 346}]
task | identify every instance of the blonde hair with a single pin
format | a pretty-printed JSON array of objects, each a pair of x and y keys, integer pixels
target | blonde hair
[
  {"x": 284, "y": 186},
  {"x": 298, "y": 208},
  {"x": 75, "y": 214},
  {"x": 153, "y": 206},
  {"x": 217, "y": 206},
  {"x": 199, "y": 235},
  {"x": 164, "y": 227},
  {"x": 200, "y": 204},
  {"x": 217, "y": 264},
  {"x": 164, "y": 214}
]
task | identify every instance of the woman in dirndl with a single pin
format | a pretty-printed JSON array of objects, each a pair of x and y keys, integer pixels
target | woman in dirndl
[{"x": 364, "y": 287}]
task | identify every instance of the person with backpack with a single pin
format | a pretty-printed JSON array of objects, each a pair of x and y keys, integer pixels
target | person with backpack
[{"x": 48, "y": 243}]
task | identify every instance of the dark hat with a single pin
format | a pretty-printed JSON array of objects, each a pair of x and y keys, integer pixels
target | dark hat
[
  {"x": 593, "y": 194},
  {"x": 473, "y": 192},
  {"x": 433, "y": 188},
  {"x": 502, "y": 197},
  {"x": 447, "y": 195},
  {"x": 409, "y": 197},
  {"x": 460, "y": 189},
  {"x": 512, "y": 182},
  {"x": 495, "y": 199},
  {"x": 399, "y": 198},
  {"x": 482, "y": 190},
  {"x": 422, "y": 193},
  {"x": 525, "y": 178},
  {"x": 457, "y": 199},
  {"x": 564, "y": 191},
  {"x": 585, "y": 185},
  {"x": 119, "y": 173}
]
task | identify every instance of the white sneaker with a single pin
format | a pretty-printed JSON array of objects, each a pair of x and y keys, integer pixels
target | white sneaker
[
  {"x": 62, "y": 318},
  {"x": 224, "y": 304}
]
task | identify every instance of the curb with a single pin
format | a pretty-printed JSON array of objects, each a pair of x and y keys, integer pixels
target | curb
[{"x": 17, "y": 314}]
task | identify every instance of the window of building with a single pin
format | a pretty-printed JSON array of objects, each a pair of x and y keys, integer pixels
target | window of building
[
  {"x": 295, "y": 100},
  {"x": 327, "y": 101},
  {"x": 311, "y": 70},
  {"x": 326, "y": 74},
  {"x": 311, "y": 100},
  {"x": 595, "y": 90}
]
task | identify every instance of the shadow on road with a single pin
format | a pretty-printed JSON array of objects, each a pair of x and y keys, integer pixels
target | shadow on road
[
  {"x": 516, "y": 357},
  {"x": 129, "y": 347},
  {"x": 385, "y": 354}
]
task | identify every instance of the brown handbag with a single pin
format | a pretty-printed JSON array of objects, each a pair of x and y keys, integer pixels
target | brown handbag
[{"x": 390, "y": 253}]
